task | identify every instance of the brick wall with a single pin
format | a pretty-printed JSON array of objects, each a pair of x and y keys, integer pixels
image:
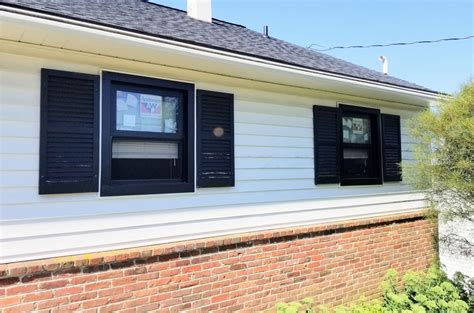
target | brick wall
[{"x": 334, "y": 263}]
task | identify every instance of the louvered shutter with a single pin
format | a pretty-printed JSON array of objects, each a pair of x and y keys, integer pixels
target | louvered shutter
[
  {"x": 215, "y": 139},
  {"x": 69, "y": 134},
  {"x": 391, "y": 147},
  {"x": 326, "y": 144}
]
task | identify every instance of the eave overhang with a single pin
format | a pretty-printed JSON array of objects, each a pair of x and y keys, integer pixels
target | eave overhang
[{"x": 24, "y": 26}]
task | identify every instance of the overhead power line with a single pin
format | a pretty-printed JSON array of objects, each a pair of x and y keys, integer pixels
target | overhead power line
[{"x": 391, "y": 44}]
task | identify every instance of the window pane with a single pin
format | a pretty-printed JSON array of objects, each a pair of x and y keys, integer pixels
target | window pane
[
  {"x": 137, "y": 159},
  {"x": 145, "y": 112},
  {"x": 356, "y": 163},
  {"x": 356, "y": 130}
]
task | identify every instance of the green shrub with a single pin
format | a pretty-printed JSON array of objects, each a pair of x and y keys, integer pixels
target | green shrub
[
  {"x": 421, "y": 292},
  {"x": 296, "y": 307},
  {"x": 466, "y": 286},
  {"x": 417, "y": 292}
]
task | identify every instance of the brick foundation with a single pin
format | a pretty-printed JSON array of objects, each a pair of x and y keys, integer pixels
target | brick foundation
[{"x": 334, "y": 263}]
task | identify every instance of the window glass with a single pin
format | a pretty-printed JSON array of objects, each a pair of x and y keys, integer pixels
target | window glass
[
  {"x": 356, "y": 130},
  {"x": 146, "y": 112},
  {"x": 356, "y": 162},
  {"x": 145, "y": 159}
]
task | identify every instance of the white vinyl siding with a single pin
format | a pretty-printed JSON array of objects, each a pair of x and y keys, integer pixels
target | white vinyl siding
[{"x": 274, "y": 179}]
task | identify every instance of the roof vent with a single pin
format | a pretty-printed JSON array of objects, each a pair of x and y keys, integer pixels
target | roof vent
[
  {"x": 200, "y": 10},
  {"x": 384, "y": 61},
  {"x": 265, "y": 31}
]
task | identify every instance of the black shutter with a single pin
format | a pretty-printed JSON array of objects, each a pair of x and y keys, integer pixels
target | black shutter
[
  {"x": 326, "y": 144},
  {"x": 69, "y": 134},
  {"x": 391, "y": 147},
  {"x": 215, "y": 139}
]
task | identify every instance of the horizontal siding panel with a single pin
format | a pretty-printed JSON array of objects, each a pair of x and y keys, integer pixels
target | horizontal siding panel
[
  {"x": 30, "y": 95},
  {"x": 407, "y": 139},
  {"x": 29, "y": 178},
  {"x": 20, "y": 79},
  {"x": 19, "y": 179},
  {"x": 290, "y": 163},
  {"x": 404, "y": 131},
  {"x": 407, "y": 155},
  {"x": 291, "y": 110},
  {"x": 19, "y": 162},
  {"x": 408, "y": 147},
  {"x": 19, "y": 145},
  {"x": 19, "y": 129},
  {"x": 272, "y": 119},
  {"x": 258, "y": 140},
  {"x": 270, "y": 130},
  {"x": 21, "y": 113},
  {"x": 273, "y": 152}
]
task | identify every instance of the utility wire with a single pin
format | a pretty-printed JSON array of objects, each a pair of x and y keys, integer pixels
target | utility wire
[{"x": 391, "y": 44}]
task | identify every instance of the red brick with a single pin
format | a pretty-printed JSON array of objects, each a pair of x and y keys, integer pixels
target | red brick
[
  {"x": 68, "y": 291},
  {"x": 152, "y": 307},
  {"x": 109, "y": 292},
  {"x": 34, "y": 297},
  {"x": 220, "y": 298},
  {"x": 83, "y": 296},
  {"x": 160, "y": 297},
  {"x": 109, "y": 275},
  {"x": 115, "y": 307},
  {"x": 136, "y": 286},
  {"x": 51, "y": 303},
  {"x": 193, "y": 268},
  {"x": 159, "y": 282},
  {"x": 120, "y": 297},
  {"x": 67, "y": 308},
  {"x": 123, "y": 281},
  {"x": 170, "y": 272},
  {"x": 81, "y": 279},
  {"x": 53, "y": 284},
  {"x": 21, "y": 289},
  {"x": 4, "y": 302},
  {"x": 29, "y": 307},
  {"x": 98, "y": 285},
  {"x": 94, "y": 303}
]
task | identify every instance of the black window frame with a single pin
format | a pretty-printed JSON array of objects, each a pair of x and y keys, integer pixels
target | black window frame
[
  {"x": 111, "y": 82},
  {"x": 375, "y": 145}
]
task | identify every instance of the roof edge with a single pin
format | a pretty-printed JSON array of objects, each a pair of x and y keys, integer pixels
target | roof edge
[{"x": 12, "y": 8}]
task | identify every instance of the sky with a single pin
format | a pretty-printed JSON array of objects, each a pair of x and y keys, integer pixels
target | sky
[{"x": 441, "y": 66}]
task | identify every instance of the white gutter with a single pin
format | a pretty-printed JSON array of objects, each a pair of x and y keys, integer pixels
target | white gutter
[{"x": 31, "y": 16}]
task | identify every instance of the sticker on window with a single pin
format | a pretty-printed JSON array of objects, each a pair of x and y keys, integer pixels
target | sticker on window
[{"x": 150, "y": 106}]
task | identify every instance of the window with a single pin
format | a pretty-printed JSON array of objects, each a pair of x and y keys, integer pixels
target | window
[
  {"x": 360, "y": 159},
  {"x": 147, "y": 136},
  {"x": 355, "y": 145},
  {"x": 147, "y": 142}
]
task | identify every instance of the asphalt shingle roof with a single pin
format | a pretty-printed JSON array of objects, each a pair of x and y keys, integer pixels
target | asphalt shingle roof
[{"x": 161, "y": 21}]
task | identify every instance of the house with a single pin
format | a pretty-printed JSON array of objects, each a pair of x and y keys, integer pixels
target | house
[{"x": 157, "y": 159}]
